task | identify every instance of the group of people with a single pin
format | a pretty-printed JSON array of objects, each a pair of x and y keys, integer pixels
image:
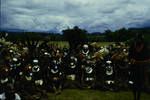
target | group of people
[{"x": 33, "y": 67}]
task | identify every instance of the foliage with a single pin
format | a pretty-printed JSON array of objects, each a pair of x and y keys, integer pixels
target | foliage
[
  {"x": 75, "y": 36},
  {"x": 126, "y": 34}
]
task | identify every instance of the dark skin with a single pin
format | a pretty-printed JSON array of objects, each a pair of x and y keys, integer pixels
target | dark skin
[
  {"x": 138, "y": 57},
  {"x": 139, "y": 49}
]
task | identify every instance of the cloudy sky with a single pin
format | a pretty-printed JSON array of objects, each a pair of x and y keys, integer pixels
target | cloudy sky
[{"x": 56, "y": 15}]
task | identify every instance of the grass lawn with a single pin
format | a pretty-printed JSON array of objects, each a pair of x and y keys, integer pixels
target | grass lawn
[{"x": 75, "y": 94}]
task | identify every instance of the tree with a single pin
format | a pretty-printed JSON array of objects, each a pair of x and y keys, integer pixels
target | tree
[
  {"x": 108, "y": 35},
  {"x": 75, "y": 36}
]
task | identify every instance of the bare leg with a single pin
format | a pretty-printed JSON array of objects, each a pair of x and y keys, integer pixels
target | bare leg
[
  {"x": 138, "y": 94},
  {"x": 134, "y": 94}
]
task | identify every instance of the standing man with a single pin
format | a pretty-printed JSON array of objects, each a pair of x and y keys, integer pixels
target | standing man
[{"x": 139, "y": 57}]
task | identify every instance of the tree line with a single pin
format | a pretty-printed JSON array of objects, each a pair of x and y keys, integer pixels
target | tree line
[{"x": 77, "y": 35}]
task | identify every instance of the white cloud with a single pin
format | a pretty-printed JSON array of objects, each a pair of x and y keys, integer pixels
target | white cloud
[{"x": 93, "y": 15}]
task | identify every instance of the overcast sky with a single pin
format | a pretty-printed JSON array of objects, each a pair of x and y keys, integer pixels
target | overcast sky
[{"x": 56, "y": 15}]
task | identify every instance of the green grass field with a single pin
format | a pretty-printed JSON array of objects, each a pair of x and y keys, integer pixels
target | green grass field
[
  {"x": 75, "y": 94},
  {"x": 65, "y": 43}
]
